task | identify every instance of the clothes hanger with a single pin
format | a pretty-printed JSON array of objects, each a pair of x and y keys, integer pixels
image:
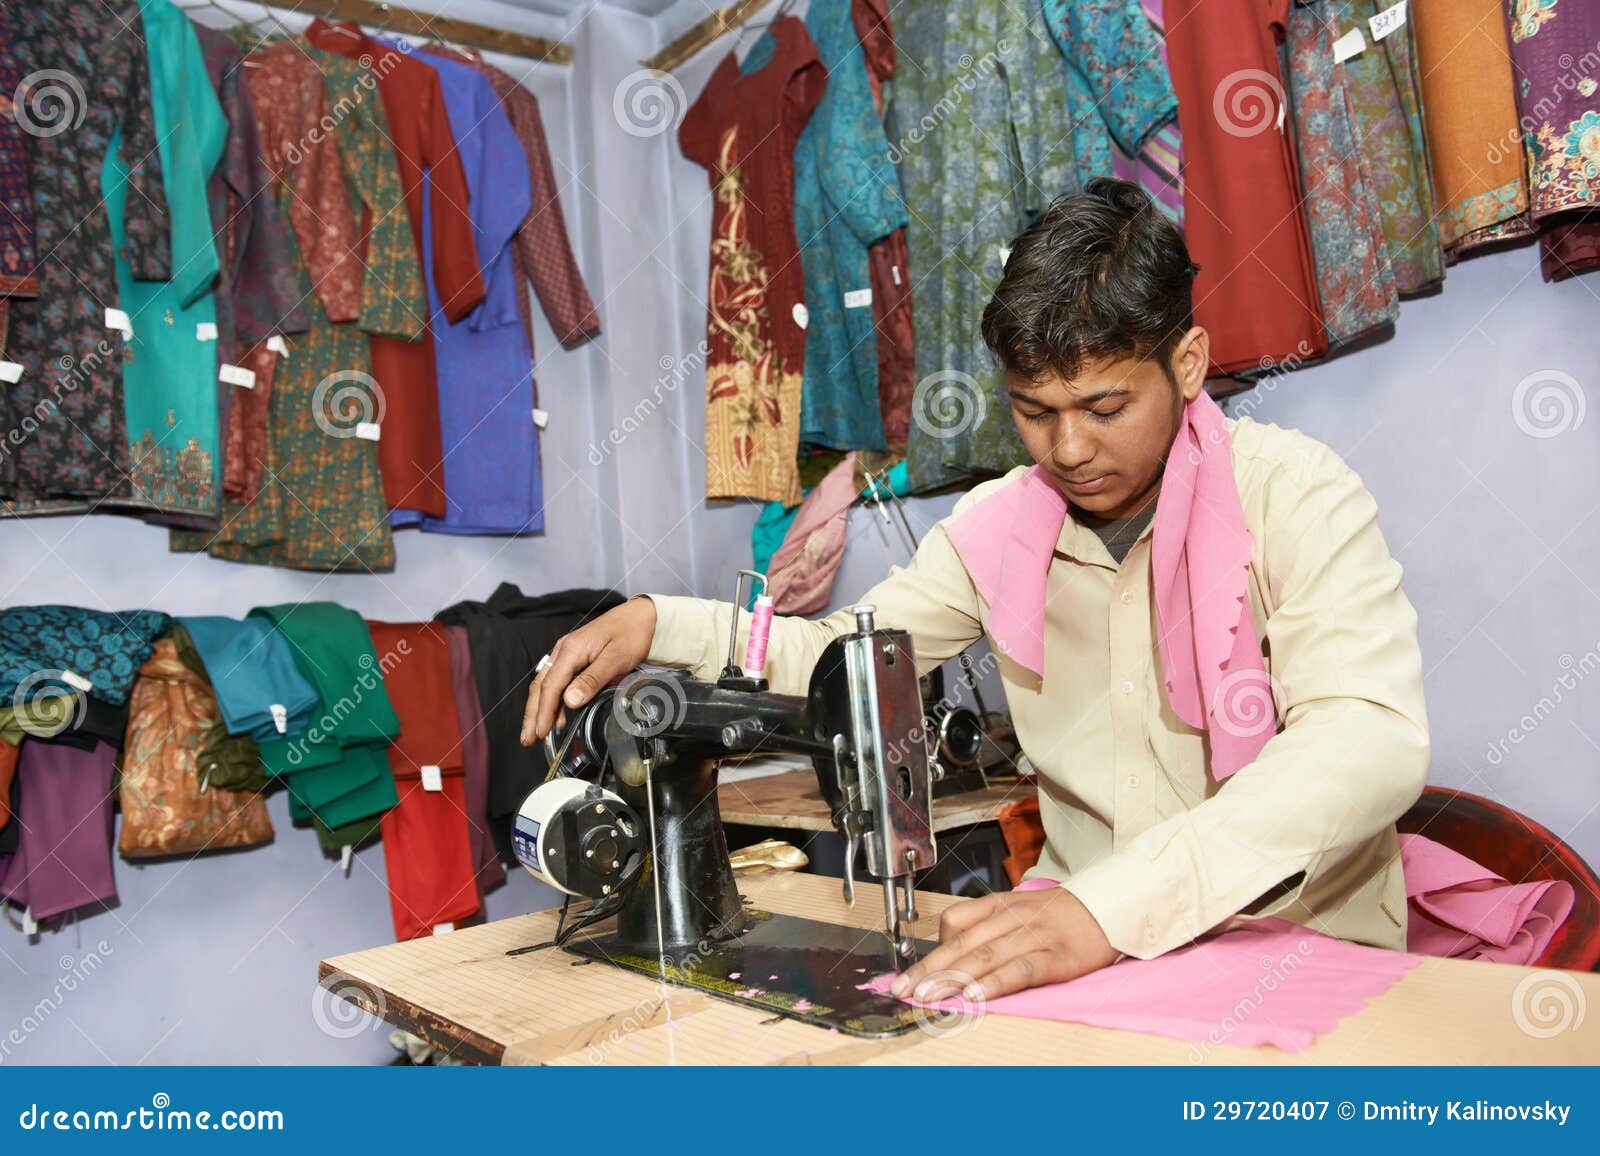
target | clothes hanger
[{"x": 247, "y": 21}]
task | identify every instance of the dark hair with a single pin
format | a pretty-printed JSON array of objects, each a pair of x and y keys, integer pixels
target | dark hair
[{"x": 1101, "y": 273}]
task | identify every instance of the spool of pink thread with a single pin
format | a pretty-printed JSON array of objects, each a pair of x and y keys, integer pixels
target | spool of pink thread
[{"x": 755, "y": 651}]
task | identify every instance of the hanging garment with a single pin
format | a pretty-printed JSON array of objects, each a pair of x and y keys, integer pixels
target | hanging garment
[
  {"x": 258, "y": 291},
  {"x": 253, "y": 674},
  {"x": 71, "y": 648},
  {"x": 1256, "y": 291},
  {"x": 508, "y": 634},
  {"x": 1118, "y": 80},
  {"x": 970, "y": 196},
  {"x": 19, "y": 276},
  {"x": 1157, "y": 167},
  {"x": 336, "y": 771},
  {"x": 846, "y": 196},
  {"x": 474, "y": 760},
  {"x": 800, "y": 579},
  {"x": 68, "y": 401},
  {"x": 1470, "y": 112},
  {"x": 169, "y": 806},
  {"x": 420, "y": 137},
  {"x": 1355, "y": 283},
  {"x": 888, "y": 257},
  {"x": 483, "y": 363},
  {"x": 63, "y": 857},
  {"x": 426, "y": 843},
  {"x": 322, "y": 506},
  {"x": 742, "y": 129},
  {"x": 1558, "y": 94},
  {"x": 1385, "y": 92}
]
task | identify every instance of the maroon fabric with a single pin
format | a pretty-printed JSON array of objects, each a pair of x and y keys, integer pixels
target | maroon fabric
[
  {"x": 1256, "y": 291},
  {"x": 1569, "y": 247},
  {"x": 475, "y": 759},
  {"x": 63, "y": 858}
]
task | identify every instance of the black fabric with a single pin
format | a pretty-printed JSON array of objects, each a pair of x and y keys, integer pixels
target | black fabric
[
  {"x": 507, "y": 636},
  {"x": 101, "y": 723}
]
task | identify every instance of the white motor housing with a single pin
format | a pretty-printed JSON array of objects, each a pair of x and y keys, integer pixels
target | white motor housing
[{"x": 577, "y": 837}]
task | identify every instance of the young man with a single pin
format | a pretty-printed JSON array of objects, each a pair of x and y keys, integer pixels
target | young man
[{"x": 1195, "y": 556}]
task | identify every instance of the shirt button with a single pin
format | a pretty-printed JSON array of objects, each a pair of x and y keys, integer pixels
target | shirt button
[
  {"x": 1133, "y": 780},
  {"x": 1127, "y": 688},
  {"x": 1149, "y": 935},
  {"x": 1127, "y": 597}
]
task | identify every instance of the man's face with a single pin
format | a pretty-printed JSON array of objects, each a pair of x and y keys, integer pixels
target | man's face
[{"x": 1103, "y": 437}]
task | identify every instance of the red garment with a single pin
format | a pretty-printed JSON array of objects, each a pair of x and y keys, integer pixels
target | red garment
[
  {"x": 742, "y": 129},
  {"x": 889, "y": 258},
  {"x": 426, "y": 845},
  {"x": 410, "y": 452},
  {"x": 1256, "y": 292},
  {"x": 475, "y": 757}
]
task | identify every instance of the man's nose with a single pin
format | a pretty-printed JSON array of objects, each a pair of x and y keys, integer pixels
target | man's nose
[{"x": 1074, "y": 448}]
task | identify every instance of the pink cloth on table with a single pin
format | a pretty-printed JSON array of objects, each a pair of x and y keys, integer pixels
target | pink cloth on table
[
  {"x": 1200, "y": 552},
  {"x": 800, "y": 575},
  {"x": 1460, "y": 909}
]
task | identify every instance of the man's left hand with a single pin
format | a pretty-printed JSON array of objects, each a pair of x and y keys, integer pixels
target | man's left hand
[{"x": 1006, "y": 942}]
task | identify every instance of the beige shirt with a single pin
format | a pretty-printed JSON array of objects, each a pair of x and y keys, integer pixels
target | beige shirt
[{"x": 1157, "y": 849}]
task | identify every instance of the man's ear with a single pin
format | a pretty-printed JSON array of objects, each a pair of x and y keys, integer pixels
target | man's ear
[{"x": 1190, "y": 360}]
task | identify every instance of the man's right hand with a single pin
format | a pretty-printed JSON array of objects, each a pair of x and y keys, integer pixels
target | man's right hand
[{"x": 584, "y": 661}]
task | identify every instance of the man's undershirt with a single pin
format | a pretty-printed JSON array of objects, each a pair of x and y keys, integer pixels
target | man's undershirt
[{"x": 1120, "y": 534}]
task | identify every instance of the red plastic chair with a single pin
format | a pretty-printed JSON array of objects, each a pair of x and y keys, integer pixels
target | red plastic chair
[
  {"x": 1517, "y": 849},
  {"x": 1513, "y": 846}
]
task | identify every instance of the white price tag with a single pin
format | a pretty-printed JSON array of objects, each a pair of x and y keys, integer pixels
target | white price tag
[
  {"x": 205, "y": 330},
  {"x": 344, "y": 858},
  {"x": 280, "y": 717},
  {"x": 857, "y": 298},
  {"x": 895, "y": 269},
  {"x": 802, "y": 315},
  {"x": 442, "y": 928},
  {"x": 10, "y": 372},
  {"x": 432, "y": 779},
  {"x": 1005, "y": 255},
  {"x": 1387, "y": 21},
  {"x": 117, "y": 319},
  {"x": 76, "y": 681},
  {"x": 29, "y": 926},
  {"x": 237, "y": 375},
  {"x": 367, "y": 431},
  {"x": 541, "y": 418},
  {"x": 278, "y": 345},
  {"x": 1352, "y": 43}
]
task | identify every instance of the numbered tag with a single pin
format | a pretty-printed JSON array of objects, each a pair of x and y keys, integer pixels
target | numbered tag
[
  {"x": 280, "y": 717},
  {"x": 76, "y": 681},
  {"x": 895, "y": 270},
  {"x": 205, "y": 330},
  {"x": 857, "y": 298},
  {"x": 1387, "y": 21},
  {"x": 118, "y": 320},
  {"x": 442, "y": 928},
  {"x": 432, "y": 779},
  {"x": 802, "y": 315},
  {"x": 10, "y": 372},
  {"x": 344, "y": 859},
  {"x": 276, "y": 344},
  {"x": 367, "y": 431},
  {"x": 29, "y": 925},
  {"x": 1352, "y": 43},
  {"x": 237, "y": 375},
  {"x": 541, "y": 418}
]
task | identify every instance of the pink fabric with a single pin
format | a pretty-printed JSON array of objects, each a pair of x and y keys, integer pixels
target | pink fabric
[
  {"x": 1200, "y": 553},
  {"x": 800, "y": 575},
  {"x": 1465, "y": 911}
]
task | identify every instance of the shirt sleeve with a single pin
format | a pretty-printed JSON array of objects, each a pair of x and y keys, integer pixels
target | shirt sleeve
[
  {"x": 858, "y": 176},
  {"x": 932, "y": 598},
  {"x": 147, "y": 222},
  {"x": 1353, "y": 751},
  {"x": 456, "y": 267},
  {"x": 1113, "y": 46},
  {"x": 320, "y": 211},
  {"x": 543, "y": 246},
  {"x": 504, "y": 201}
]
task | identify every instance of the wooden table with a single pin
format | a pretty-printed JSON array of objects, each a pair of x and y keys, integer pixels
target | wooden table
[
  {"x": 792, "y": 801},
  {"x": 461, "y": 992}
]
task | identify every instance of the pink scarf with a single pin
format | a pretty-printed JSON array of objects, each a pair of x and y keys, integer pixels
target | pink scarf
[{"x": 1200, "y": 553}]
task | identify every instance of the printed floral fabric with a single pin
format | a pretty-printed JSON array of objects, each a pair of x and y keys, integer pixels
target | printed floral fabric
[
  {"x": 971, "y": 75},
  {"x": 1470, "y": 109},
  {"x": 742, "y": 129},
  {"x": 1354, "y": 279},
  {"x": 88, "y": 64},
  {"x": 1386, "y": 95},
  {"x": 1559, "y": 100},
  {"x": 168, "y": 806},
  {"x": 18, "y": 273},
  {"x": 40, "y": 644}
]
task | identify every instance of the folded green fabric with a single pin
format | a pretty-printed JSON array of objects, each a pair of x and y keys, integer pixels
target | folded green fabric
[
  {"x": 42, "y": 715},
  {"x": 336, "y": 771}
]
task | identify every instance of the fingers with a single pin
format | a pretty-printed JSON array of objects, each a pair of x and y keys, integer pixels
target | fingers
[
  {"x": 1022, "y": 970},
  {"x": 963, "y": 951},
  {"x": 569, "y": 655}
]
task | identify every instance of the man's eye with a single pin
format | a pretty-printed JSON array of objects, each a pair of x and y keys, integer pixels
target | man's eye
[
  {"x": 1106, "y": 415},
  {"x": 1042, "y": 415}
]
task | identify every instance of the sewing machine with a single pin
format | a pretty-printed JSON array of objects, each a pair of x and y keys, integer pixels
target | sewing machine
[{"x": 628, "y": 818}]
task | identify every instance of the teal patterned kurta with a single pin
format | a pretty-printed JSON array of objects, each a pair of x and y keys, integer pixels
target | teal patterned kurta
[
  {"x": 980, "y": 125},
  {"x": 170, "y": 372},
  {"x": 846, "y": 196}
]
